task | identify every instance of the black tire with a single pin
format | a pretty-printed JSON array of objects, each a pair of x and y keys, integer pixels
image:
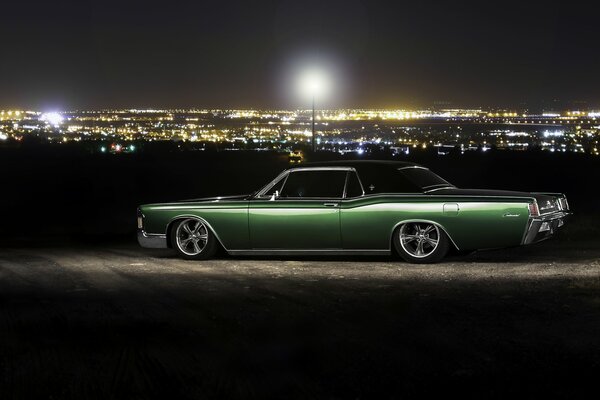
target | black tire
[
  {"x": 188, "y": 231},
  {"x": 422, "y": 234}
]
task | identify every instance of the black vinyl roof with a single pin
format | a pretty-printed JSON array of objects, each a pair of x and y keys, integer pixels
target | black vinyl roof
[{"x": 358, "y": 164}]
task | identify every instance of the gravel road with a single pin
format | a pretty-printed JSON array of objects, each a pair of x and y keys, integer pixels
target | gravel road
[{"x": 117, "y": 321}]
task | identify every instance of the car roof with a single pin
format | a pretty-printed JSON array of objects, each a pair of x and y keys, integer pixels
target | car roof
[{"x": 357, "y": 164}]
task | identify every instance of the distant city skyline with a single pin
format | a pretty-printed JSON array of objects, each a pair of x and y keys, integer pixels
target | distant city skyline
[
  {"x": 359, "y": 131},
  {"x": 87, "y": 54}
]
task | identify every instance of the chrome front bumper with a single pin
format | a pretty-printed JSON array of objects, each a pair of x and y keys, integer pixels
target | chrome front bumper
[
  {"x": 543, "y": 227},
  {"x": 152, "y": 240}
]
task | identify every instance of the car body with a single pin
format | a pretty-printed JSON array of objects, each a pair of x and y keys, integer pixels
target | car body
[{"x": 353, "y": 207}]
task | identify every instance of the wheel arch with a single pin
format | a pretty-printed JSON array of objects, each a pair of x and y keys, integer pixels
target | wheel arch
[
  {"x": 177, "y": 218},
  {"x": 406, "y": 221}
]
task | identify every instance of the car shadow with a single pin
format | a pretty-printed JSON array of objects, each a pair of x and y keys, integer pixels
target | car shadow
[{"x": 543, "y": 252}]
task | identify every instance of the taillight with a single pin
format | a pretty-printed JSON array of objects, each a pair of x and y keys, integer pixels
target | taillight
[{"x": 534, "y": 210}]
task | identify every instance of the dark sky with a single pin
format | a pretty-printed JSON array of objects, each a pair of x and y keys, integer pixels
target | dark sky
[{"x": 83, "y": 54}]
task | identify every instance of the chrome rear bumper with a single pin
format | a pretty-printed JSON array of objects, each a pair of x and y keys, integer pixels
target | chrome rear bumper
[
  {"x": 152, "y": 240},
  {"x": 543, "y": 227}
]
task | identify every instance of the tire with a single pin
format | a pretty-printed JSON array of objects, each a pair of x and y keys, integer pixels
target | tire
[
  {"x": 193, "y": 239},
  {"x": 421, "y": 242}
]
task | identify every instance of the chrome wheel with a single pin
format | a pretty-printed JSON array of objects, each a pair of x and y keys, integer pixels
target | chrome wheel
[
  {"x": 191, "y": 237},
  {"x": 419, "y": 239}
]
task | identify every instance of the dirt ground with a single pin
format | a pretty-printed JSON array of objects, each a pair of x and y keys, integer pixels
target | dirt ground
[{"x": 117, "y": 321}]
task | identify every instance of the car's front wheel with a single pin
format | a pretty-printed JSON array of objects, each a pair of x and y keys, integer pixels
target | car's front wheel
[
  {"x": 421, "y": 242},
  {"x": 193, "y": 240}
]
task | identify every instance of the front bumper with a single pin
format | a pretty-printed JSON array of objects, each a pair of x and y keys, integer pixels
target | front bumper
[
  {"x": 152, "y": 240},
  {"x": 543, "y": 227}
]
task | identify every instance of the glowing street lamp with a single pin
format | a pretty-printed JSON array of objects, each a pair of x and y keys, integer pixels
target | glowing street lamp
[{"x": 312, "y": 83}]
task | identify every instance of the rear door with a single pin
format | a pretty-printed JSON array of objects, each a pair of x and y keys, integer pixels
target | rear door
[{"x": 305, "y": 215}]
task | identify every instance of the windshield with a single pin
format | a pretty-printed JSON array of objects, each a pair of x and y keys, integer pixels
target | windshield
[{"x": 423, "y": 178}]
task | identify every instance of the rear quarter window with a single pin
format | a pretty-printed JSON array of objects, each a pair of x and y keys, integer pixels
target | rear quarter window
[{"x": 376, "y": 179}]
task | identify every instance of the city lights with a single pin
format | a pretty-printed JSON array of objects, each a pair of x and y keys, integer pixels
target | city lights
[
  {"x": 52, "y": 118},
  {"x": 358, "y": 131}
]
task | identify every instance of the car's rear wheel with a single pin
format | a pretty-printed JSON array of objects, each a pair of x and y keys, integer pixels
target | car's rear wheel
[
  {"x": 193, "y": 240},
  {"x": 421, "y": 242}
]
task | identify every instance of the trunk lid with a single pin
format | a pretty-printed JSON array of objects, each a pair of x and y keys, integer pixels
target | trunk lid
[{"x": 547, "y": 203}]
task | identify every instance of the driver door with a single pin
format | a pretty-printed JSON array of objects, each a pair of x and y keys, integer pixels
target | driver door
[{"x": 305, "y": 215}]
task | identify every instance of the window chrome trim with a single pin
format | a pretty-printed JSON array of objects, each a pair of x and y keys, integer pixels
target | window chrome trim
[
  {"x": 269, "y": 185},
  {"x": 440, "y": 188},
  {"x": 304, "y": 169},
  {"x": 287, "y": 172},
  {"x": 362, "y": 189},
  {"x": 334, "y": 168},
  {"x": 428, "y": 186},
  {"x": 412, "y": 166},
  {"x": 346, "y": 184}
]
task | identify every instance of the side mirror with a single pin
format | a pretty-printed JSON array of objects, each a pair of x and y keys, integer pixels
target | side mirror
[{"x": 274, "y": 196}]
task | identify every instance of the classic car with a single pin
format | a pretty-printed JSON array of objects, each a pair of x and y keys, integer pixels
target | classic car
[{"x": 353, "y": 207}]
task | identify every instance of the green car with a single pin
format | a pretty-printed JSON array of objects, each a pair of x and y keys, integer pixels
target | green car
[{"x": 353, "y": 207}]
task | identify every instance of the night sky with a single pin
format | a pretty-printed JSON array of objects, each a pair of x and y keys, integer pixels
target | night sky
[{"x": 83, "y": 54}]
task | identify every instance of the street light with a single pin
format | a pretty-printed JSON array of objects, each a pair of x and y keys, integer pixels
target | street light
[{"x": 313, "y": 83}]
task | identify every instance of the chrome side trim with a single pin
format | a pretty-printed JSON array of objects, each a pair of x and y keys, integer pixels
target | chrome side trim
[
  {"x": 152, "y": 240},
  {"x": 425, "y": 195},
  {"x": 306, "y": 252},
  {"x": 205, "y": 222},
  {"x": 425, "y": 221}
]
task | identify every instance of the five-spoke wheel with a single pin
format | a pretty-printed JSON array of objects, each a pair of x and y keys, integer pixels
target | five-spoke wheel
[
  {"x": 421, "y": 242},
  {"x": 193, "y": 239}
]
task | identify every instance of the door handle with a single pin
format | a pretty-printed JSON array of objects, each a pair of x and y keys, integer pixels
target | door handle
[{"x": 330, "y": 204}]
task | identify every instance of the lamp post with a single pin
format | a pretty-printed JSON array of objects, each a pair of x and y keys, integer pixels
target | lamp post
[
  {"x": 313, "y": 82},
  {"x": 314, "y": 146}
]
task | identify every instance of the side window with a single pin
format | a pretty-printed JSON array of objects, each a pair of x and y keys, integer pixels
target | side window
[
  {"x": 353, "y": 188},
  {"x": 325, "y": 184}
]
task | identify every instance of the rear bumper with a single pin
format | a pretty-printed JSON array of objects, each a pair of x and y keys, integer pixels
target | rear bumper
[
  {"x": 152, "y": 240},
  {"x": 543, "y": 227}
]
